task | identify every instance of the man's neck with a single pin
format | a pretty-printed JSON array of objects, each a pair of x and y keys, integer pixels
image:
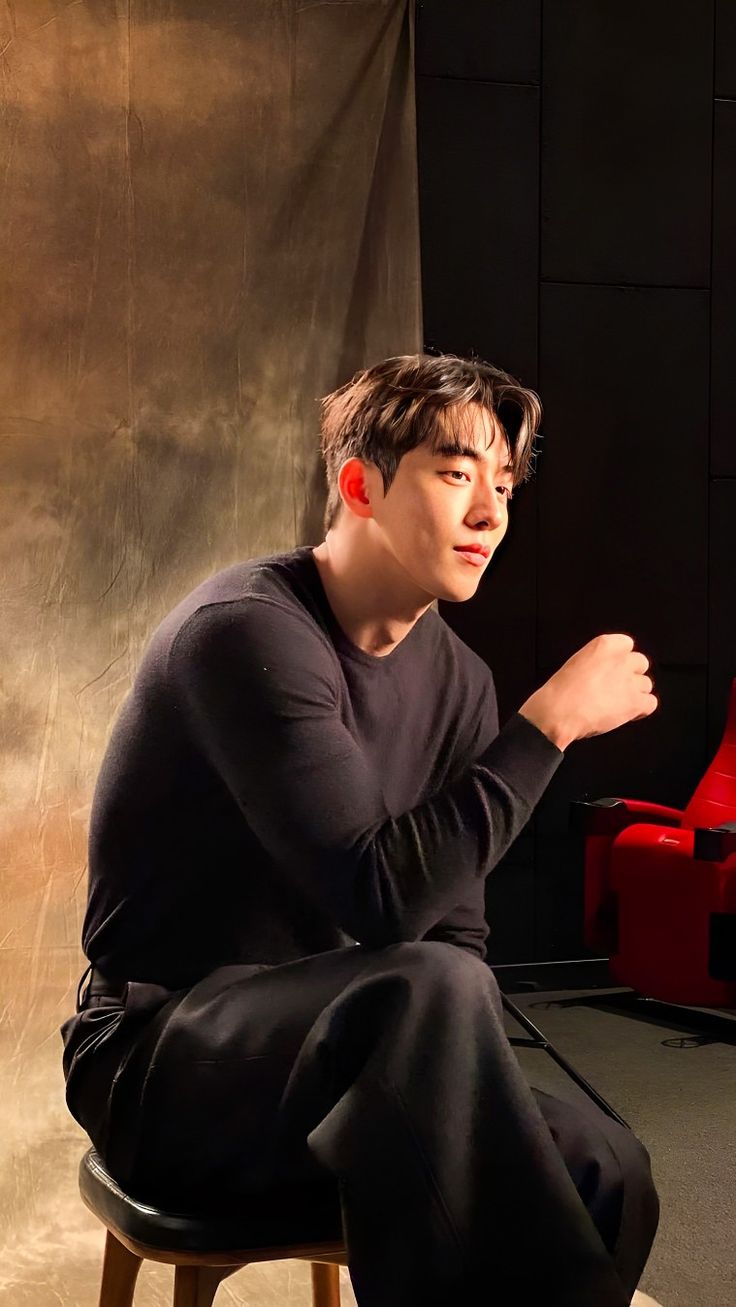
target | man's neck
[{"x": 367, "y": 590}]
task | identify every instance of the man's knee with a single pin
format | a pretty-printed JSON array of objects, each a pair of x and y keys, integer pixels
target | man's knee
[
  {"x": 444, "y": 968},
  {"x": 638, "y": 1167},
  {"x": 639, "y": 1188},
  {"x": 632, "y": 1154}
]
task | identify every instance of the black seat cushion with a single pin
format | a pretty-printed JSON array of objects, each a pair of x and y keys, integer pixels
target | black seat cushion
[{"x": 305, "y": 1215}]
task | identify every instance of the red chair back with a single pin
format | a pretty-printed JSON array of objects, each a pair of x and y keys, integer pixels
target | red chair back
[{"x": 714, "y": 800}]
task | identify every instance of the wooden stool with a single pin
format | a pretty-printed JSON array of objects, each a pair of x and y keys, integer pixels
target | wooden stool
[{"x": 206, "y": 1249}]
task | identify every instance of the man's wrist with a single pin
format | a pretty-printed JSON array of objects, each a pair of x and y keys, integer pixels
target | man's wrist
[{"x": 555, "y": 732}]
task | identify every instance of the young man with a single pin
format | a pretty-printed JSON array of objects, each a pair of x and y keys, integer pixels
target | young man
[{"x": 294, "y": 819}]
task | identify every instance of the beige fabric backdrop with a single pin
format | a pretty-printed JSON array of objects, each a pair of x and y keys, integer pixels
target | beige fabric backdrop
[{"x": 209, "y": 219}]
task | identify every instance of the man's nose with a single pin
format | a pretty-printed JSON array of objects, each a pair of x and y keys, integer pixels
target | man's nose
[{"x": 489, "y": 515}]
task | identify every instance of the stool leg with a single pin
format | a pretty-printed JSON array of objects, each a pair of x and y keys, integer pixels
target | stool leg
[
  {"x": 196, "y": 1286},
  {"x": 119, "y": 1273},
  {"x": 325, "y": 1285}
]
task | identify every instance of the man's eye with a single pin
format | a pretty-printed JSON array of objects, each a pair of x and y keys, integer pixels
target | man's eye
[{"x": 456, "y": 472}]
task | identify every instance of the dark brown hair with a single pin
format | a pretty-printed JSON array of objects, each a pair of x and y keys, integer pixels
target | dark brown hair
[{"x": 385, "y": 411}]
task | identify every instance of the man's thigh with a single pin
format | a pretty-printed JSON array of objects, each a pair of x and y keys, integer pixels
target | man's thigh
[
  {"x": 198, "y": 1102},
  {"x": 198, "y": 1098}
]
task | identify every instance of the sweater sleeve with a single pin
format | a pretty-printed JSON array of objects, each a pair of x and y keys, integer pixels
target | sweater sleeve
[{"x": 257, "y": 690}]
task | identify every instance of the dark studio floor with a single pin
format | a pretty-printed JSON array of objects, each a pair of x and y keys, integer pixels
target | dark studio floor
[{"x": 675, "y": 1086}]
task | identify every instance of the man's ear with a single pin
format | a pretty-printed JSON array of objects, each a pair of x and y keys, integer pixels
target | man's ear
[{"x": 354, "y": 480}]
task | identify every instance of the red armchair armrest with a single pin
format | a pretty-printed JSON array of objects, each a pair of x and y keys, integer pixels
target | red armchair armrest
[
  {"x": 609, "y": 816},
  {"x": 600, "y": 821}
]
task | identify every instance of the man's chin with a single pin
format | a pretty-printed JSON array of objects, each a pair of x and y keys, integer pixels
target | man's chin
[{"x": 458, "y": 593}]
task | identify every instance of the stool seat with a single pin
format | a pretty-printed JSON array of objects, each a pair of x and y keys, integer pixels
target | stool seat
[
  {"x": 300, "y": 1216},
  {"x": 205, "y": 1247}
]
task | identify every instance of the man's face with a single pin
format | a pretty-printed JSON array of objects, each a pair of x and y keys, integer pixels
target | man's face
[{"x": 438, "y": 503}]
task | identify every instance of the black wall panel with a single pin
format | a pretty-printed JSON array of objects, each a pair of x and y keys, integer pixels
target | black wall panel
[
  {"x": 474, "y": 38},
  {"x": 726, "y": 48},
  {"x": 479, "y": 202},
  {"x": 723, "y": 358},
  {"x": 626, "y": 326},
  {"x": 623, "y": 498},
  {"x": 510, "y": 905},
  {"x": 626, "y": 145},
  {"x": 478, "y": 188},
  {"x": 722, "y": 606}
]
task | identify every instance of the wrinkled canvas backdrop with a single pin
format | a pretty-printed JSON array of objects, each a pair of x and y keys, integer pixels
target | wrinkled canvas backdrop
[{"x": 209, "y": 219}]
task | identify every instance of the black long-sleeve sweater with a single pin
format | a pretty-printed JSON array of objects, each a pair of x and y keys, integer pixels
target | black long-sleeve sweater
[{"x": 272, "y": 791}]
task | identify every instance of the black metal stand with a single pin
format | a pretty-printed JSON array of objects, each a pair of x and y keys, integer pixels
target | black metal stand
[{"x": 539, "y": 1041}]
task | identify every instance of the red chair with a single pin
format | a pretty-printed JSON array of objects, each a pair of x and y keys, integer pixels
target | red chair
[{"x": 660, "y": 886}]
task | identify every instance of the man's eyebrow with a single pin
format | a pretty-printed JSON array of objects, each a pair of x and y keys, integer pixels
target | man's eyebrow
[{"x": 451, "y": 449}]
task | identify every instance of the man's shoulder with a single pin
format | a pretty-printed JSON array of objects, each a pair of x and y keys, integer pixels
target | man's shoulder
[
  {"x": 268, "y": 598},
  {"x": 281, "y": 576},
  {"x": 277, "y": 578}
]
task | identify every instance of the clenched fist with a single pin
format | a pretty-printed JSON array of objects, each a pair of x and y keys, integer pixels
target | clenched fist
[{"x": 602, "y": 686}]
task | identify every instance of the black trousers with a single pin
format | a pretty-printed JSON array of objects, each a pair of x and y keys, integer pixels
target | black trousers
[{"x": 390, "y": 1071}]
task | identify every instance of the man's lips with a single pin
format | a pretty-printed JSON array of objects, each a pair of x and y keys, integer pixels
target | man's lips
[{"x": 475, "y": 554}]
